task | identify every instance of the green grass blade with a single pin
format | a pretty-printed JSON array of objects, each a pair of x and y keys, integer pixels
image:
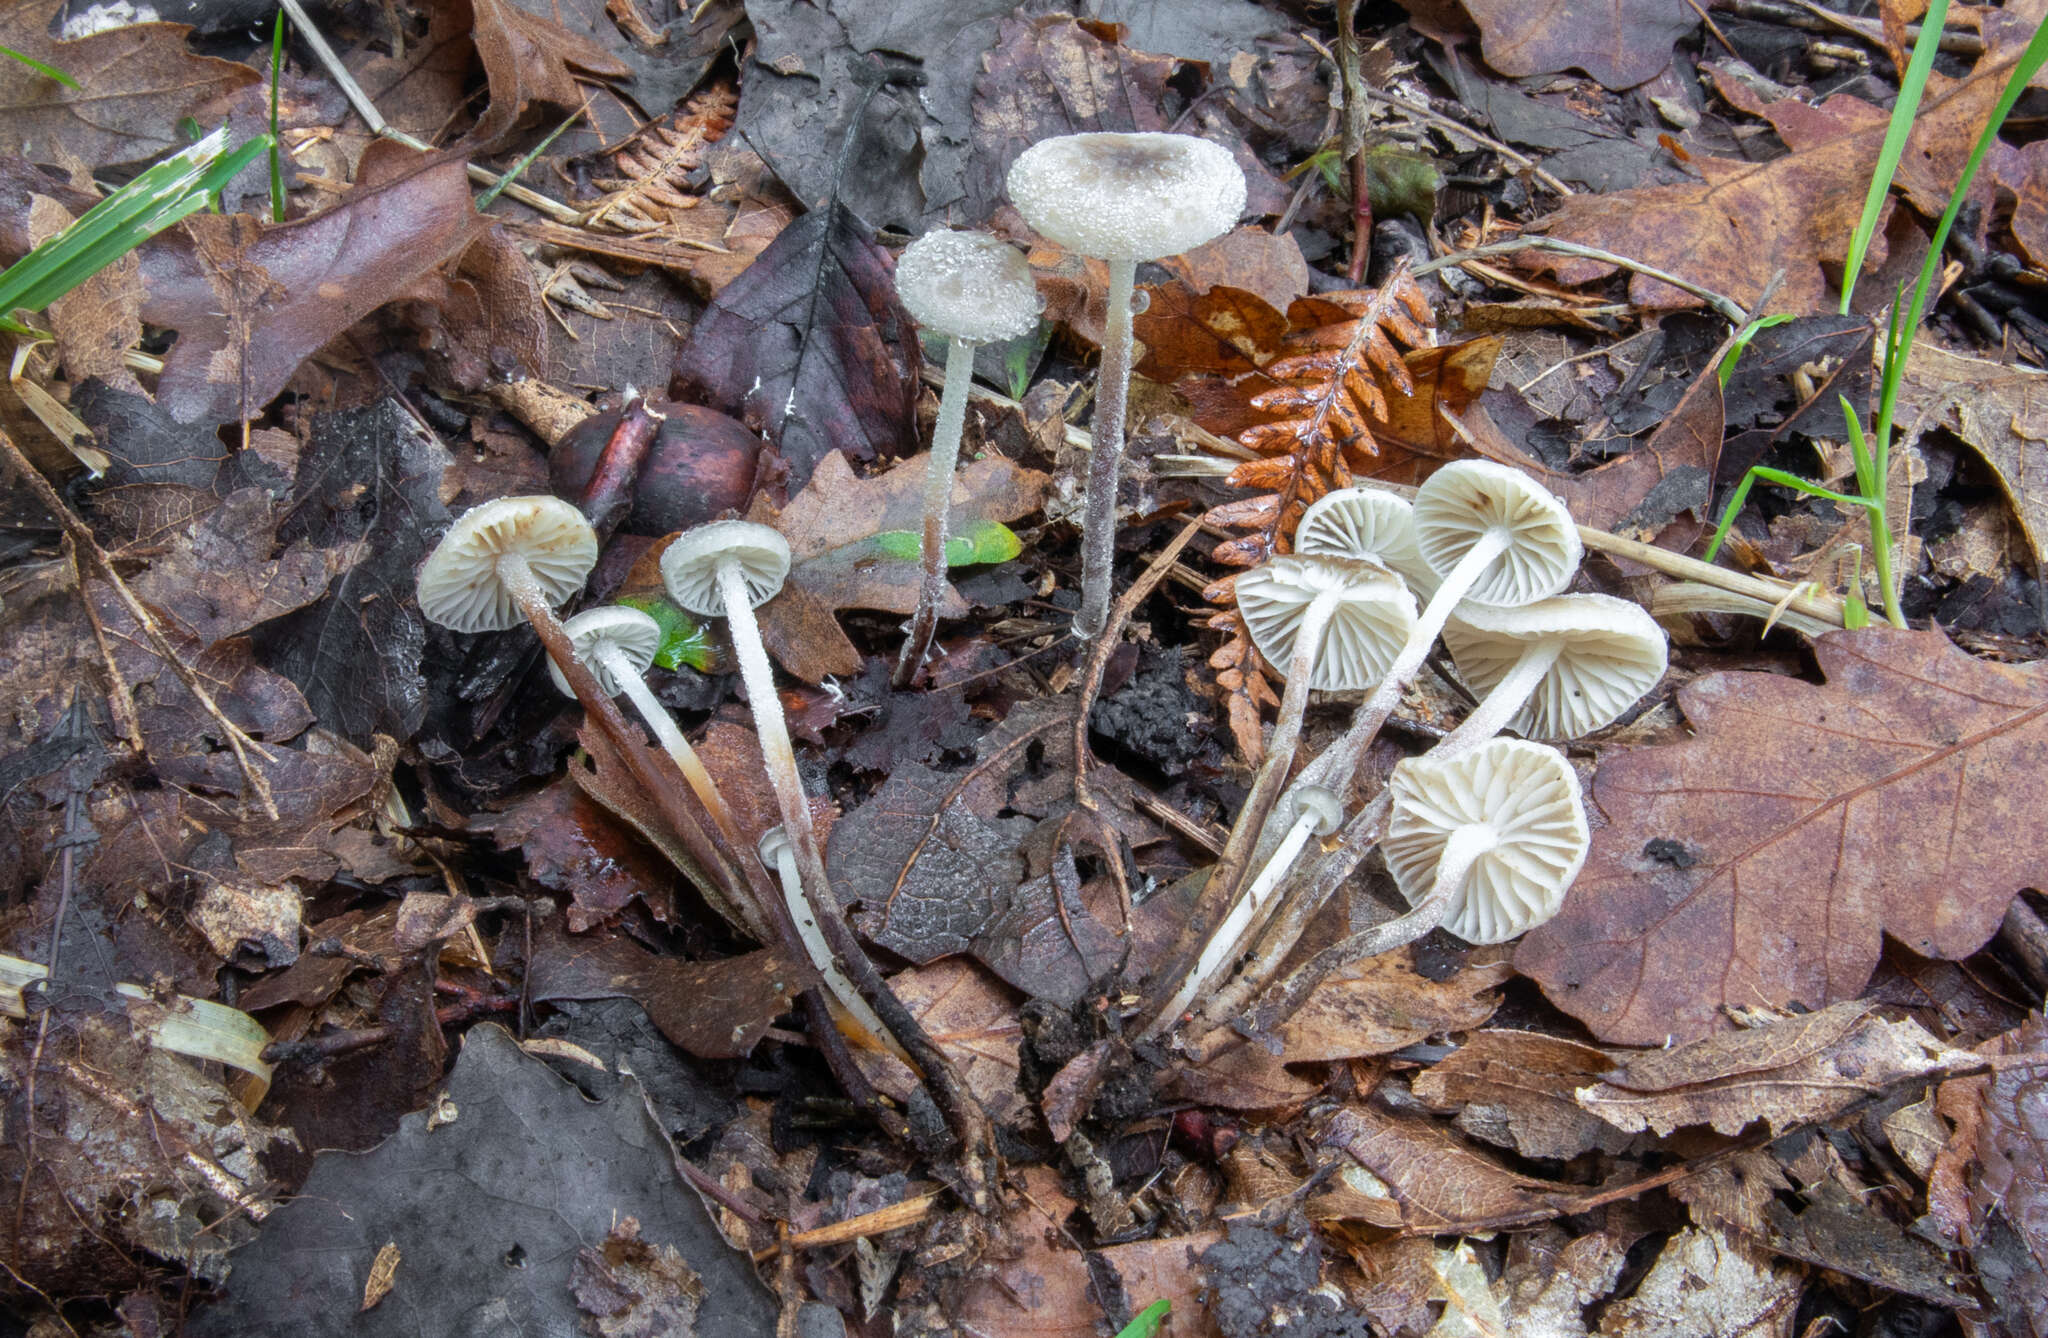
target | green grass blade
[
  {"x": 1728, "y": 515},
  {"x": 483, "y": 201},
  {"x": 276, "y": 154},
  {"x": 47, "y": 71},
  {"x": 1740, "y": 344},
  {"x": 1147, "y": 1321},
  {"x": 1911, "y": 89},
  {"x": 161, "y": 196},
  {"x": 2028, "y": 65}
]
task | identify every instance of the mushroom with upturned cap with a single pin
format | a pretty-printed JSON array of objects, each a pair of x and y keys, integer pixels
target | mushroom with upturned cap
[
  {"x": 972, "y": 288},
  {"x": 1368, "y": 523},
  {"x": 506, "y": 561},
  {"x": 618, "y": 644},
  {"x": 1121, "y": 198},
  {"x": 1494, "y": 836},
  {"x": 1332, "y": 624},
  {"x": 1555, "y": 669}
]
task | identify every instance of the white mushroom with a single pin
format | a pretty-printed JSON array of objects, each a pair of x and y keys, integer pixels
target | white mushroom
[
  {"x": 1369, "y": 523},
  {"x": 618, "y": 644},
  {"x": 972, "y": 288},
  {"x": 1495, "y": 836},
  {"x": 1555, "y": 669},
  {"x": 1122, "y": 199},
  {"x": 506, "y": 561}
]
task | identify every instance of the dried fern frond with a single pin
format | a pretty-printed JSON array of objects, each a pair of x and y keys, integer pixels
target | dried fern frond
[
  {"x": 648, "y": 185},
  {"x": 1325, "y": 387}
]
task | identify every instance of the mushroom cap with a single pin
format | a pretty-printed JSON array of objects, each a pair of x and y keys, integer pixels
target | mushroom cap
[
  {"x": 636, "y": 635},
  {"x": 1323, "y": 809},
  {"x": 1466, "y": 498},
  {"x": 689, "y": 566},
  {"x": 968, "y": 285},
  {"x": 1368, "y": 523},
  {"x": 1528, "y": 796},
  {"x": 773, "y": 845},
  {"x": 1612, "y": 653},
  {"x": 460, "y": 585},
  {"x": 1128, "y": 197},
  {"x": 1368, "y": 628}
]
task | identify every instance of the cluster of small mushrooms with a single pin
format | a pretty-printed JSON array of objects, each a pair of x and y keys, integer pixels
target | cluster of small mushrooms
[{"x": 1483, "y": 833}]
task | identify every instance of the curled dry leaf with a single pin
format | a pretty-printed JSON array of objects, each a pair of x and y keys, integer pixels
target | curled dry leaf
[
  {"x": 1419, "y": 1180},
  {"x": 1516, "y": 1089},
  {"x": 1760, "y": 861},
  {"x": 529, "y": 59},
  {"x": 1798, "y": 1071},
  {"x": 1385, "y": 1003}
]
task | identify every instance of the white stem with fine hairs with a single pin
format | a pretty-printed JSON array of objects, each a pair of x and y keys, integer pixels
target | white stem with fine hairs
[
  {"x": 1106, "y": 453},
  {"x": 1228, "y": 940},
  {"x": 1492, "y": 715},
  {"x": 838, "y": 989},
  {"x": 527, "y": 596},
  {"x": 1460, "y": 853},
  {"x": 938, "y": 501},
  {"x": 773, "y": 731},
  {"x": 635, "y": 689}
]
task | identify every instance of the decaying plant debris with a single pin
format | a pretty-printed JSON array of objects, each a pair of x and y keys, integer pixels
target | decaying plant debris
[{"x": 892, "y": 959}]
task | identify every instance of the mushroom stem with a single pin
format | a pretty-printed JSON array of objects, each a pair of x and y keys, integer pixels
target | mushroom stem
[
  {"x": 1251, "y": 819},
  {"x": 844, "y": 998},
  {"x": 773, "y": 732},
  {"x": 1461, "y": 851},
  {"x": 1106, "y": 452},
  {"x": 635, "y": 689},
  {"x": 526, "y": 592},
  {"x": 938, "y": 502},
  {"x": 1230, "y": 935},
  {"x": 1499, "y": 707}
]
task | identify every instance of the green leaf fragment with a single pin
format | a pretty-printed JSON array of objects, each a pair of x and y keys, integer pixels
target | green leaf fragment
[
  {"x": 1147, "y": 1321},
  {"x": 982, "y": 542},
  {"x": 682, "y": 638}
]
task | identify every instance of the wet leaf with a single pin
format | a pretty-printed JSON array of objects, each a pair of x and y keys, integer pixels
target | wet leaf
[
  {"x": 2001, "y": 413},
  {"x": 1516, "y": 1089},
  {"x": 573, "y": 845},
  {"x": 1758, "y": 863},
  {"x": 1708, "y": 1282},
  {"x": 223, "y": 575},
  {"x": 2010, "y": 1180},
  {"x": 1621, "y": 43},
  {"x": 713, "y": 1010},
  {"x": 1732, "y": 231},
  {"x": 528, "y": 59},
  {"x": 1413, "y": 1177},
  {"x": 251, "y": 302},
  {"x": 811, "y": 347},
  {"x": 134, "y": 86}
]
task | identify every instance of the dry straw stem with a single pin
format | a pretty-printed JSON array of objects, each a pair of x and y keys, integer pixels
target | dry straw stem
[{"x": 85, "y": 546}]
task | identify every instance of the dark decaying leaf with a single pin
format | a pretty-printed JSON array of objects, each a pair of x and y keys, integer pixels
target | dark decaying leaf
[
  {"x": 1758, "y": 863},
  {"x": 811, "y": 346},
  {"x": 369, "y": 486},
  {"x": 529, "y": 58},
  {"x": 250, "y": 302},
  {"x": 1433, "y": 1184},
  {"x": 1621, "y": 43},
  {"x": 573, "y": 845},
  {"x": 482, "y": 1208},
  {"x": 713, "y": 1010},
  {"x": 135, "y": 84},
  {"x": 223, "y": 575},
  {"x": 2009, "y": 1185}
]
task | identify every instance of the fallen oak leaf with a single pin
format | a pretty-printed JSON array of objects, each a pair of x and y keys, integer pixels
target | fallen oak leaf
[
  {"x": 219, "y": 281},
  {"x": 528, "y": 59},
  {"x": 2001, "y": 413},
  {"x": 1759, "y": 862},
  {"x": 1621, "y": 43},
  {"x": 131, "y": 86}
]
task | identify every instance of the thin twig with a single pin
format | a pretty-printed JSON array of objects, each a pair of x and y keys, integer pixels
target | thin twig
[
  {"x": 1726, "y": 306},
  {"x": 88, "y": 547},
  {"x": 1451, "y": 125}
]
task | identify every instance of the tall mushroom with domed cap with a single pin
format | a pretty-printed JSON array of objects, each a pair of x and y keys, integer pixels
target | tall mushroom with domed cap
[
  {"x": 971, "y": 288},
  {"x": 1122, "y": 199}
]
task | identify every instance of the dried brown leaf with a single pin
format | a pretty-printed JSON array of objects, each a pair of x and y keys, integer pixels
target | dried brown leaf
[
  {"x": 1384, "y": 1004},
  {"x": 1516, "y": 1089},
  {"x": 1421, "y": 1180},
  {"x": 135, "y": 84},
  {"x": 529, "y": 59},
  {"x": 2001, "y": 413},
  {"x": 1710, "y": 1284},
  {"x": 1621, "y": 43},
  {"x": 1759, "y": 862}
]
